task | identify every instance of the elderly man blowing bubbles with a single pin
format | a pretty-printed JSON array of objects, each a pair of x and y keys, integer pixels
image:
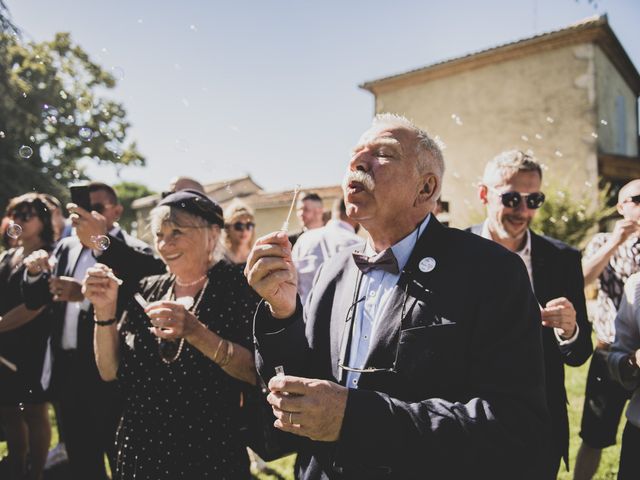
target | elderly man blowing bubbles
[{"x": 420, "y": 356}]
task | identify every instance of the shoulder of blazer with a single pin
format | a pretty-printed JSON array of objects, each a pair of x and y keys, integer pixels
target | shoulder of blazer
[
  {"x": 549, "y": 246},
  {"x": 132, "y": 241}
]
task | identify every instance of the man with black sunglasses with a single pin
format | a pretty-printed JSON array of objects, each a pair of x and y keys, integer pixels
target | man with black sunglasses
[
  {"x": 417, "y": 356},
  {"x": 610, "y": 258},
  {"x": 510, "y": 190}
]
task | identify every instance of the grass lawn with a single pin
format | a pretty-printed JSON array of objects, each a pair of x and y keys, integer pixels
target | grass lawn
[{"x": 576, "y": 378}]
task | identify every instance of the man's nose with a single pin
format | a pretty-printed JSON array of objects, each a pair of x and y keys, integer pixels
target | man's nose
[{"x": 360, "y": 161}]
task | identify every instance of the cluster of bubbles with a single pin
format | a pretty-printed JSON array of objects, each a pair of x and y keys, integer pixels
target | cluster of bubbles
[
  {"x": 456, "y": 119},
  {"x": 101, "y": 242}
]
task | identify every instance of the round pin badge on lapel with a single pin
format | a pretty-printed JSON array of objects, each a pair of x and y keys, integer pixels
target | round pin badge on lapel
[{"x": 427, "y": 264}]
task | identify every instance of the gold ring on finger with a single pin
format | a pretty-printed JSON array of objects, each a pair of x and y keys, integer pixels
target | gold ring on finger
[{"x": 291, "y": 418}]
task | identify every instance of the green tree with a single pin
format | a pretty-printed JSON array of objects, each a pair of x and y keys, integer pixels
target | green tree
[
  {"x": 52, "y": 115},
  {"x": 569, "y": 220},
  {"x": 127, "y": 193}
]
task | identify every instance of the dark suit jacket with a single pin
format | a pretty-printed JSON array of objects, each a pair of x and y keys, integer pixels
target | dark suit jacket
[
  {"x": 557, "y": 272},
  {"x": 130, "y": 259},
  {"x": 468, "y": 397}
]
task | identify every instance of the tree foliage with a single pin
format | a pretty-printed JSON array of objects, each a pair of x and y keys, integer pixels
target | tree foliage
[
  {"x": 127, "y": 193},
  {"x": 569, "y": 220},
  {"x": 52, "y": 103}
]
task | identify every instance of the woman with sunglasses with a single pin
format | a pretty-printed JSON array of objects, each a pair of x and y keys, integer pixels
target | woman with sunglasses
[
  {"x": 240, "y": 233},
  {"x": 180, "y": 352},
  {"x": 23, "y": 339}
]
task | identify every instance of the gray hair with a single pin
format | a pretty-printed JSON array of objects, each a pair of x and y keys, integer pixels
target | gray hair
[
  {"x": 166, "y": 214},
  {"x": 427, "y": 149},
  {"x": 507, "y": 164}
]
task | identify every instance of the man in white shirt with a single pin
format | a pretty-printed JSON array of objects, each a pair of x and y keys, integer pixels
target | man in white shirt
[
  {"x": 420, "y": 356},
  {"x": 314, "y": 247},
  {"x": 510, "y": 190},
  {"x": 309, "y": 212}
]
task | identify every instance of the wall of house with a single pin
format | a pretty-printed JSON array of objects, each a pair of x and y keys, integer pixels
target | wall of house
[
  {"x": 617, "y": 108},
  {"x": 544, "y": 103}
]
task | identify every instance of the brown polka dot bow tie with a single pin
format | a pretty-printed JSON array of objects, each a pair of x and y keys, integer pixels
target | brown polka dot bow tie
[{"x": 384, "y": 260}]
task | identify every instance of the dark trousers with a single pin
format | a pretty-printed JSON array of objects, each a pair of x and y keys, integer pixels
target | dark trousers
[
  {"x": 550, "y": 465},
  {"x": 630, "y": 453},
  {"x": 90, "y": 412}
]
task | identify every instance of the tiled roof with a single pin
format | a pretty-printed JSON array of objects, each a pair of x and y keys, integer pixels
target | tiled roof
[
  {"x": 213, "y": 189},
  {"x": 592, "y": 24}
]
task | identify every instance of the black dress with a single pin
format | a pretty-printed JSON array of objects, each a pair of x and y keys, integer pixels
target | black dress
[
  {"x": 25, "y": 346},
  {"x": 181, "y": 419}
]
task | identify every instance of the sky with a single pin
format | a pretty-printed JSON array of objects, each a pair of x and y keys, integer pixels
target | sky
[{"x": 218, "y": 89}]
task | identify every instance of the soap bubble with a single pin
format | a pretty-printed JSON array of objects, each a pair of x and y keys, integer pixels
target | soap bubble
[
  {"x": 101, "y": 242},
  {"x": 25, "y": 151},
  {"x": 85, "y": 133},
  {"x": 14, "y": 230},
  {"x": 117, "y": 72}
]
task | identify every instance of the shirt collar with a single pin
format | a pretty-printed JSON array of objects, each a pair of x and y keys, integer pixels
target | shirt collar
[
  {"x": 526, "y": 250},
  {"x": 341, "y": 224},
  {"x": 402, "y": 250}
]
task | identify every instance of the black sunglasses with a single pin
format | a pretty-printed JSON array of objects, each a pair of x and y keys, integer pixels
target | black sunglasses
[
  {"x": 635, "y": 199},
  {"x": 24, "y": 215},
  {"x": 349, "y": 325},
  {"x": 239, "y": 226},
  {"x": 513, "y": 199},
  {"x": 100, "y": 207}
]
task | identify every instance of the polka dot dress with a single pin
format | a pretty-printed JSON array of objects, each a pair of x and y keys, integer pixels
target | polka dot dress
[{"x": 180, "y": 420}]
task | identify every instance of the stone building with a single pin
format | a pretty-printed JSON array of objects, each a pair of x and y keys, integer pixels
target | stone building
[{"x": 569, "y": 96}]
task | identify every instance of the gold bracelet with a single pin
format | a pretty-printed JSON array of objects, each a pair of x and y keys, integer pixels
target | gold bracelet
[
  {"x": 215, "y": 355},
  {"x": 228, "y": 355}
]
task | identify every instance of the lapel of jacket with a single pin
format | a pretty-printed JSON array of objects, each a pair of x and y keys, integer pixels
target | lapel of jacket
[
  {"x": 412, "y": 286},
  {"x": 539, "y": 268},
  {"x": 341, "y": 315},
  {"x": 74, "y": 254}
]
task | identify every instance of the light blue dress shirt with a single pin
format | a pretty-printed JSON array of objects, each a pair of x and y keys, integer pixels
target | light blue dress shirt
[{"x": 375, "y": 291}]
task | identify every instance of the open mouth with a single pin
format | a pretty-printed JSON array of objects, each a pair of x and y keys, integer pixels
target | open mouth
[
  {"x": 518, "y": 222},
  {"x": 355, "y": 187},
  {"x": 171, "y": 258}
]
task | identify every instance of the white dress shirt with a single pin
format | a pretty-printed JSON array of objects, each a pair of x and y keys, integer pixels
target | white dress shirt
[
  {"x": 375, "y": 290},
  {"x": 315, "y": 246},
  {"x": 86, "y": 260}
]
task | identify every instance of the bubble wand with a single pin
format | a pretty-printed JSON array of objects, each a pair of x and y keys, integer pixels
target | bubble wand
[{"x": 285, "y": 225}]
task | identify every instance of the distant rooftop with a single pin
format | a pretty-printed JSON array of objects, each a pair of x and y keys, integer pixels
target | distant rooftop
[{"x": 220, "y": 191}]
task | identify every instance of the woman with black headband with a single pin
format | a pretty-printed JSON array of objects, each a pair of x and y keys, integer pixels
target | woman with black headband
[
  {"x": 23, "y": 340},
  {"x": 180, "y": 351}
]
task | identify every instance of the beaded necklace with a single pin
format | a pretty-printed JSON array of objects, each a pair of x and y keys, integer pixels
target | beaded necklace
[{"x": 192, "y": 308}]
